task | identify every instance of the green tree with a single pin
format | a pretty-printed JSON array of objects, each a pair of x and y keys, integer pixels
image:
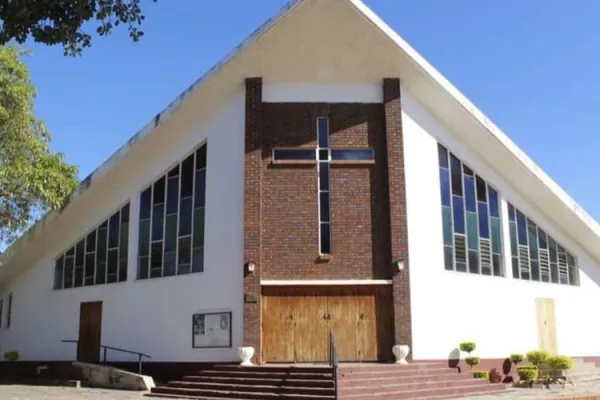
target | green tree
[
  {"x": 33, "y": 179},
  {"x": 54, "y": 22}
]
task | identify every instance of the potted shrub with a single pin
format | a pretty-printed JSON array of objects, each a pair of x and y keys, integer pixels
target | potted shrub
[
  {"x": 558, "y": 365},
  {"x": 528, "y": 374},
  {"x": 467, "y": 347},
  {"x": 537, "y": 357},
  {"x": 516, "y": 358},
  {"x": 481, "y": 375},
  {"x": 11, "y": 356},
  {"x": 472, "y": 361}
]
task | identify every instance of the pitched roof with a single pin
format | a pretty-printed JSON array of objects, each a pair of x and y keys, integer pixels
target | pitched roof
[{"x": 424, "y": 83}]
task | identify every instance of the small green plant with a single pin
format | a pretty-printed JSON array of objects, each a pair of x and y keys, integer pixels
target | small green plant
[
  {"x": 481, "y": 375},
  {"x": 537, "y": 357},
  {"x": 559, "y": 363},
  {"x": 467, "y": 347},
  {"x": 11, "y": 356},
  {"x": 472, "y": 361},
  {"x": 528, "y": 373},
  {"x": 516, "y": 358}
]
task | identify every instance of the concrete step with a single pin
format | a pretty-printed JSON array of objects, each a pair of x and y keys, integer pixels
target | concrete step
[
  {"x": 252, "y": 388},
  {"x": 412, "y": 386},
  {"x": 431, "y": 392},
  {"x": 261, "y": 381},
  {"x": 386, "y": 379},
  {"x": 264, "y": 374}
]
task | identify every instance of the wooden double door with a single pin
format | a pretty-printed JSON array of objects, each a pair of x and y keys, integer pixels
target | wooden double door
[{"x": 296, "y": 323}]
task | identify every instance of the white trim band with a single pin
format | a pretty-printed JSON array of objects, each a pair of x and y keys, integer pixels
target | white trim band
[{"x": 326, "y": 282}]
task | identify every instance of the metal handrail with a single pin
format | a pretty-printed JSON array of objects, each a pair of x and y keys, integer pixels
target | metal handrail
[
  {"x": 105, "y": 348},
  {"x": 333, "y": 362}
]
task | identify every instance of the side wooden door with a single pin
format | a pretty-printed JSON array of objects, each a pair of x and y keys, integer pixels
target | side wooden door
[
  {"x": 311, "y": 328},
  {"x": 546, "y": 324},
  {"x": 343, "y": 308},
  {"x": 90, "y": 332}
]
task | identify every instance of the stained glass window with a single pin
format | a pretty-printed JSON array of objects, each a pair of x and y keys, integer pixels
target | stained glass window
[
  {"x": 471, "y": 219},
  {"x": 171, "y": 235},
  {"x": 537, "y": 256}
]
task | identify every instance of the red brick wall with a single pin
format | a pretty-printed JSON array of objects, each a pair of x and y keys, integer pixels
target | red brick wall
[{"x": 290, "y": 229}]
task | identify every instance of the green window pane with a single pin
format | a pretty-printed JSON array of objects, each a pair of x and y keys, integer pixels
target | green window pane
[
  {"x": 513, "y": 239},
  {"x": 472, "y": 231},
  {"x": 496, "y": 237},
  {"x": 447, "y": 222}
]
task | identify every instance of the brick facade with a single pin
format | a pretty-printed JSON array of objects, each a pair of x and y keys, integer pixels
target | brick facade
[
  {"x": 367, "y": 199},
  {"x": 397, "y": 207}
]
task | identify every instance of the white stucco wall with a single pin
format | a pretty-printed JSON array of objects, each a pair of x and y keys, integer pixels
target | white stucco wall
[
  {"x": 151, "y": 316},
  {"x": 497, "y": 313}
]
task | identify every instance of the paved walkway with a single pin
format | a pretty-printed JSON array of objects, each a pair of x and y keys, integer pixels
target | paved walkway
[
  {"x": 18, "y": 392},
  {"x": 581, "y": 389}
]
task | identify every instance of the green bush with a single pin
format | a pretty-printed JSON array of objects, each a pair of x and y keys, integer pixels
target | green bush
[
  {"x": 472, "y": 361},
  {"x": 516, "y": 358},
  {"x": 560, "y": 363},
  {"x": 11, "y": 356},
  {"x": 537, "y": 357},
  {"x": 467, "y": 347},
  {"x": 528, "y": 373},
  {"x": 481, "y": 375}
]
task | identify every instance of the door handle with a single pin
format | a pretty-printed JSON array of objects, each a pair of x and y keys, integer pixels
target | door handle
[
  {"x": 361, "y": 316},
  {"x": 327, "y": 317}
]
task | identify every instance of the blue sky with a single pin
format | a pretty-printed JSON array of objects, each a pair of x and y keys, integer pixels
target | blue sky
[{"x": 531, "y": 66}]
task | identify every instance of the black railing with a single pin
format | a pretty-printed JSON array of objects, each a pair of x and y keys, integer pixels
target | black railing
[
  {"x": 105, "y": 348},
  {"x": 333, "y": 362}
]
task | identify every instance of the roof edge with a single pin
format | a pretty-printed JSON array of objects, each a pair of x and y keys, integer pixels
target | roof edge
[
  {"x": 38, "y": 227},
  {"x": 428, "y": 69}
]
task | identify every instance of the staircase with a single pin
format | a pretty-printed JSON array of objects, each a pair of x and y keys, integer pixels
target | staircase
[
  {"x": 258, "y": 383},
  {"x": 422, "y": 381}
]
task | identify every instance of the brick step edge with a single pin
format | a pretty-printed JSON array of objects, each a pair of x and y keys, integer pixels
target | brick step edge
[
  {"x": 258, "y": 380},
  {"x": 403, "y": 378},
  {"x": 455, "y": 392},
  {"x": 409, "y": 386},
  {"x": 250, "y": 388},
  {"x": 203, "y": 394}
]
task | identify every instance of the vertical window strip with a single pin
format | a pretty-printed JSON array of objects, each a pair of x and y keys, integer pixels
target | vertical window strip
[
  {"x": 1, "y": 312},
  {"x": 472, "y": 244},
  {"x": 9, "y": 311},
  {"x": 182, "y": 263},
  {"x": 324, "y": 188},
  {"x": 78, "y": 266},
  {"x": 540, "y": 257}
]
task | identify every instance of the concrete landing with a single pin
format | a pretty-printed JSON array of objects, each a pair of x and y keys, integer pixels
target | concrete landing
[{"x": 104, "y": 376}]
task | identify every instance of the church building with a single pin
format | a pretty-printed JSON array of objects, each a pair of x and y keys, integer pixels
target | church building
[{"x": 323, "y": 178}]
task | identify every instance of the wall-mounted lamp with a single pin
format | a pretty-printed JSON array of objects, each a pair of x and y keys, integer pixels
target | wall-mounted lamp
[
  {"x": 250, "y": 267},
  {"x": 399, "y": 264}
]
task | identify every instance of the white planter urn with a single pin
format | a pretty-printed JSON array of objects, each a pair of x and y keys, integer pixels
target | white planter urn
[
  {"x": 246, "y": 354},
  {"x": 401, "y": 352}
]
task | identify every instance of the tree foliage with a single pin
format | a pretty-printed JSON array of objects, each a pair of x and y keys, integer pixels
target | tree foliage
[
  {"x": 33, "y": 179},
  {"x": 54, "y": 22}
]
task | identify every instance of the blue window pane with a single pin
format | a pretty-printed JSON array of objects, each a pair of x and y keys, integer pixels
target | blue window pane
[
  {"x": 515, "y": 267},
  {"x": 522, "y": 228},
  {"x": 445, "y": 187},
  {"x": 323, "y": 154},
  {"x": 293, "y": 154},
  {"x": 513, "y": 239},
  {"x": 543, "y": 242},
  {"x": 496, "y": 237},
  {"x": 484, "y": 227},
  {"x": 442, "y": 156},
  {"x": 473, "y": 262},
  {"x": 533, "y": 241},
  {"x": 552, "y": 246},
  {"x": 459, "y": 214},
  {"x": 497, "y": 265},
  {"x": 481, "y": 189},
  {"x": 511, "y": 212},
  {"x": 494, "y": 206},
  {"x": 456, "y": 172},
  {"x": 323, "y": 132},
  {"x": 447, "y": 222},
  {"x": 448, "y": 258},
  {"x": 352, "y": 154},
  {"x": 468, "y": 171},
  {"x": 472, "y": 231},
  {"x": 470, "y": 193}
]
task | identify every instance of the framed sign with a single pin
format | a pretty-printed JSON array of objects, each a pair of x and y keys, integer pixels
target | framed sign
[{"x": 211, "y": 330}]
